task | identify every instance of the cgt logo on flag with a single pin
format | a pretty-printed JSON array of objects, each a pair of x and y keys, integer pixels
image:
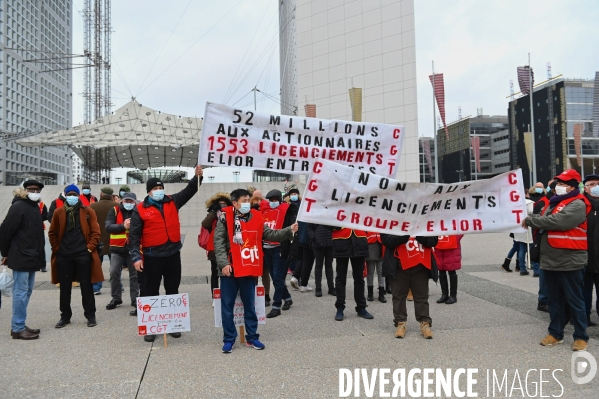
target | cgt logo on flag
[{"x": 583, "y": 362}]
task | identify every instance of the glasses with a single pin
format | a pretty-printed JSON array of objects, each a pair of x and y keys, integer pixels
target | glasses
[
  {"x": 591, "y": 184},
  {"x": 34, "y": 190}
]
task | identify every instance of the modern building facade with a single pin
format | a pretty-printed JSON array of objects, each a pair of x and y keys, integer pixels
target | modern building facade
[
  {"x": 457, "y": 159},
  {"x": 35, "y": 96},
  {"x": 328, "y": 47},
  {"x": 563, "y": 126},
  {"x": 426, "y": 153}
]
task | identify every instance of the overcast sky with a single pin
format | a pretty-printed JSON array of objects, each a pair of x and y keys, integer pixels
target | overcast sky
[{"x": 174, "y": 56}]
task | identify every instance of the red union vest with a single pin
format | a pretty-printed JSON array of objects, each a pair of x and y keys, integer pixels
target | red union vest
[
  {"x": 345, "y": 233},
  {"x": 59, "y": 203},
  {"x": 159, "y": 230},
  {"x": 246, "y": 258},
  {"x": 273, "y": 218},
  {"x": 374, "y": 238},
  {"x": 447, "y": 242},
  {"x": 575, "y": 238},
  {"x": 41, "y": 204},
  {"x": 85, "y": 201},
  {"x": 119, "y": 239},
  {"x": 412, "y": 254}
]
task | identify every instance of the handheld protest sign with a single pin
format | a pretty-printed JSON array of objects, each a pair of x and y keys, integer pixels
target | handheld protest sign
[
  {"x": 291, "y": 144},
  {"x": 163, "y": 314},
  {"x": 238, "y": 308},
  {"x": 339, "y": 195}
]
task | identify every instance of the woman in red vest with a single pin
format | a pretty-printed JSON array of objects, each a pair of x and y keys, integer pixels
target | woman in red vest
[
  {"x": 409, "y": 262},
  {"x": 448, "y": 254}
]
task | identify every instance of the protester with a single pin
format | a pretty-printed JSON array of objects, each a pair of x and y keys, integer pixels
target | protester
[
  {"x": 277, "y": 215},
  {"x": 74, "y": 235},
  {"x": 374, "y": 260},
  {"x": 155, "y": 228},
  {"x": 86, "y": 197},
  {"x": 537, "y": 209},
  {"x": 57, "y": 203},
  {"x": 591, "y": 275},
  {"x": 102, "y": 207},
  {"x": 409, "y": 262},
  {"x": 22, "y": 245},
  {"x": 241, "y": 229},
  {"x": 513, "y": 251},
  {"x": 214, "y": 206},
  {"x": 448, "y": 254},
  {"x": 350, "y": 246},
  {"x": 306, "y": 255},
  {"x": 523, "y": 240},
  {"x": 118, "y": 223},
  {"x": 563, "y": 254},
  {"x": 321, "y": 237},
  {"x": 124, "y": 189},
  {"x": 255, "y": 202},
  {"x": 537, "y": 192}
]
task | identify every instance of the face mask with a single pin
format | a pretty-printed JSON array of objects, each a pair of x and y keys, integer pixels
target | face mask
[
  {"x": 72, "y": 200},
  {"x": 595, "y": 191},
  {"x": 86, "y": 191},
  {"x": 128, "y": 206},
  {"x": 34, "y": 196},
  {"x": 548, "y": 190},
  {"x": 245, "y": 207},
  {"x": 157, "y": 195},
  {"x": 294, "y": 198},
  {"x": 121, "y": 193},
  {"x": 560, "y": 190},
  {"x": 274, "y": 205},
  {"x": 539, "y": 190}
]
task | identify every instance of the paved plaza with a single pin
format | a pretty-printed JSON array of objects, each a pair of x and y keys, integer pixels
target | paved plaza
[{"x": 494, "y": 326}]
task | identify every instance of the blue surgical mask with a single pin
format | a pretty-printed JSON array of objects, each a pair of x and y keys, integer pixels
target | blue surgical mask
[
  {"x": 245, "y": 207},
  {"x": 121, "y": 193},
  {"x": 128, "y": 206},
  {"x": 294, "y": 197},
  {"x": 595, "y": 191},
  {"x": 274, "y": 204},
  {"x": 157, "y": 195},
  {"x": 72, "y": 199},
  {"x": 539, "y": 190},
  {"x": 86, "y": 191}
]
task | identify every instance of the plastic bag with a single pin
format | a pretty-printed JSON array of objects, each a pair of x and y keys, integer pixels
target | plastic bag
[{"x": 6, "y": 282}]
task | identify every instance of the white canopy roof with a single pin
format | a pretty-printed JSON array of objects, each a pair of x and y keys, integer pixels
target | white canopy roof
[{"x": 134, "y": 136}]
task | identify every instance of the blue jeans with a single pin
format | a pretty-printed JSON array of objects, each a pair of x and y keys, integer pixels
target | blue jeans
[
  {"x": 246, "y": 286},
  {"x": 276, "y": 268},
  {"x": 21, "y": 292},
  {"x": 565, "y": 287},
  {"x": 514, "y": 249},
  {"x": 542, "y": 295}
]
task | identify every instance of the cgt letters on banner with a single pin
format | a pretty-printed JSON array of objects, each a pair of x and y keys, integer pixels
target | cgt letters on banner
[
  {"x": 338, "y": 195},
  {"x": 290, "y": 144}
]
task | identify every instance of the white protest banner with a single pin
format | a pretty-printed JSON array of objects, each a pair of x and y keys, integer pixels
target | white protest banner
[
  {"x": 163, "y": 314},
  {"x": 341, "y": 196},
  {"x": 238, "y": 309},
  {"x": 290, "y": 144}
]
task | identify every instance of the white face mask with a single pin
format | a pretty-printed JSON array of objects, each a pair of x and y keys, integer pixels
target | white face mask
[
  {"x": 34, "y": 196},
  {"x": 560, "y": 190}
]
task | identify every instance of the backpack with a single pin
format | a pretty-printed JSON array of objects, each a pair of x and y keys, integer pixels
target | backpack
[{"x": 206, "y": 238}]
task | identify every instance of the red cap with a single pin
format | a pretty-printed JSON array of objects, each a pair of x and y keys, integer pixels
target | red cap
[{"x": 567, "y": 175}]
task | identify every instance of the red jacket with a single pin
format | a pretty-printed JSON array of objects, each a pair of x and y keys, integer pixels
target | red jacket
[{"x": 450, "y": 259}]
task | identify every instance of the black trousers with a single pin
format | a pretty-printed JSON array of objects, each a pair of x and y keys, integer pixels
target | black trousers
[
  {"x": 156, "y": 268},
  {"x": 77, "y": 268},
  {"x": 307, "y": 263},
  {"x": 323, "y": 255},
  {"x": 213, "y": 276},
  {"x": 417, "y": 281},
  {"x": 357, "y": 265}
]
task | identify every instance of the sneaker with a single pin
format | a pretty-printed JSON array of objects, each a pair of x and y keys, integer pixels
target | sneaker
[
  {"x": 364, "y": 313},
  {"x": 425, "y": 330},
  {"x": 294, "y": 283},
  {"x": 550, "y": 340},
  {"x": 228, "y": 347},
  {"x": 579, "y": 345},
  {"x": 339, "y": 315},
  {"x": 400, "y": 330},
  {"x": 97, "y": 293},
  {"x": 254, "y": 344},
  {"x": 305, "y": 289}
]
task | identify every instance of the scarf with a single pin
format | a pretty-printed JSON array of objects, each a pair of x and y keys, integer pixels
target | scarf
[
  {"x": 556, "y": 199},
  {"x": 237, "y": 238},
  {"x": 154, "y": 202},
  {"x": 71, "y": 211}
]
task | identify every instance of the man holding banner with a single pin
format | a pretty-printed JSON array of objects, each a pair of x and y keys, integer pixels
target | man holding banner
[{"x": 239, "y": 257}]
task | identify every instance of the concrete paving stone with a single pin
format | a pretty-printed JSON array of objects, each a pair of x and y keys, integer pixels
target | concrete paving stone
[{"x": 52, "y": 390}]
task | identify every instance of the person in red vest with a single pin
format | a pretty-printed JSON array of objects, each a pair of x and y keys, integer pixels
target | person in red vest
[
  {"x": 277, "y": 215},
  {"x": 44, "y": 213},
  {"x": 448, "y": 254},
  {"x": 57, "y": 203},
  {"x": 155, "y": 228},
  {"x": 375, "y": 263},
  {"x": 86, "y": 196},
  {"x": 239, "y": 256},
  {"x": 562, "y": 226},
  {"x": 409, "y": 262},
  {"x": 350, "y": 246}
]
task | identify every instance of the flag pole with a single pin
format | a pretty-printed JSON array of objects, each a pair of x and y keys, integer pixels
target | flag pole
[
  {"x": 435, "y": 129},
  {"x": 532, "y": 126}
]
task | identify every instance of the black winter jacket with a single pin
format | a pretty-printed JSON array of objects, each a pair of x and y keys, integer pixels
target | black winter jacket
[
  {"x": 353, "y": 247},
  {"x": 53, "y": 207},
  {"x": 391, "y": 263},
  {"x": 22, "y": 235},
  {"x": 593, "y": 235},
  {"x": 290, "y": 217},
  {"x": 320, "y": 235}
]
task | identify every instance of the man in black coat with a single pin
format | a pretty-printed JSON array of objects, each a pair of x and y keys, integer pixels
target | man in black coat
[
  {"x": 591, "y": 275},
  {"x": 22, "y": 247}
]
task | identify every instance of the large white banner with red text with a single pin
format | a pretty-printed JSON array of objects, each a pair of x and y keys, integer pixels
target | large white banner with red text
[
  {"x": 338, "y": 195},
  {"x": 290, "y": 144}
]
